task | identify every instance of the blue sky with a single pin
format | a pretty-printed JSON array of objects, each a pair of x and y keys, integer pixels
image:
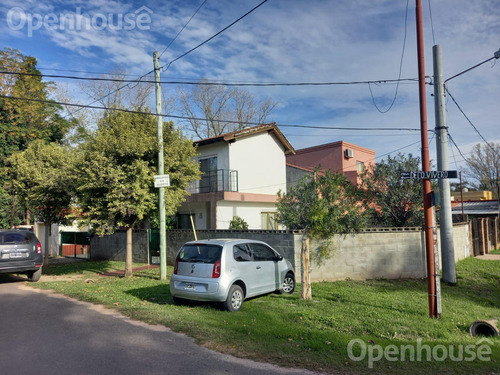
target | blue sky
[{"x": 287, "y": 41}]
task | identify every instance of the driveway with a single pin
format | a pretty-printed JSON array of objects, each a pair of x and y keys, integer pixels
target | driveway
[{"x": 45, "y": 333}]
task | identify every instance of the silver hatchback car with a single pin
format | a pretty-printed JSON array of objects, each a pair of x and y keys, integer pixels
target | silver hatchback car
[{"x": 229, "y": 271}]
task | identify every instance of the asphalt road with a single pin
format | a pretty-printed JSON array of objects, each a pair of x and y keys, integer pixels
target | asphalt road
[{"x": 48, "y": 334}]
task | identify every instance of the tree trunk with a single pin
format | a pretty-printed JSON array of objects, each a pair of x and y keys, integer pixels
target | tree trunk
[
  {"x": 305, "y": 292},
  {"x": 46, "y": 227},
  {"x": 128, "y": 256}
]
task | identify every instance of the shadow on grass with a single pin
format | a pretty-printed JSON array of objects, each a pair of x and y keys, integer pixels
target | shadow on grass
[
  {"x": 79, "y": 266},
  {"x": 160, "y": 295}
]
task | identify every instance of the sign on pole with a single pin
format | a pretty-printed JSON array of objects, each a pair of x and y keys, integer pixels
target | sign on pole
[
  {"x": 162, "y": 181},
  {"x": 428, "y": 175}
]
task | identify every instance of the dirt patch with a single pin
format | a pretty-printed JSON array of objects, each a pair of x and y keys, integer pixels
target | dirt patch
[{"x": 51, "y": 278}]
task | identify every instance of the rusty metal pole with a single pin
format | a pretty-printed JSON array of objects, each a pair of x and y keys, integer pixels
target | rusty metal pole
[{"x": 428, "y": 222}]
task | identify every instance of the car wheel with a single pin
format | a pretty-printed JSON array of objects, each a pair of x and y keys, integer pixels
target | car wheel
[
  {"x": 235, "y": 298},
  {"x": 34, "y": 276},
  {"x": 289, "y": 283}
]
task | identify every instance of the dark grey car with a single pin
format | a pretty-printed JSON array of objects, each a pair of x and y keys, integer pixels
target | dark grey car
[{"x": 21, "y": 252}]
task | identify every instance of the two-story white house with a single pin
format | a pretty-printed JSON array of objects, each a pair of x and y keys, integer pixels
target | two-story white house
[{"x": 242, "y": 172}]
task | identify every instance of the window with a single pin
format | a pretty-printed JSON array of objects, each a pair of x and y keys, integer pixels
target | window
[
  {"x": 208, "y": 168},
  {"x": 242, "y": 253},
  {"x": 360, "y": 166},
  {"x": 184, "y": 221},
  {"x": 200, "y": 253},
  {"x": 15, "y": 238},
  {"x": 269, "y": 220},
  {"x": 261, "y": 252}
]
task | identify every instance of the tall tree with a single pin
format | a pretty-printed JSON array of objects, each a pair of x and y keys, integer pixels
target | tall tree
[
  {"x": 42, "y": 177},
  {"x": 392, "y": 201},
  {"x": 321, "y": 205},
  {"x": 116, "y": 173},
  {"x": 483, "y": 167},
  {"x": 210, "y": 107},
  {"x": 22, "y": 122}
]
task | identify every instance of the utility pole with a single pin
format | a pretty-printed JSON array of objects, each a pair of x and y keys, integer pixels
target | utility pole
[
  {"x": 161, "y": 169},
  {"x": 428, "y": 222},
  {"x": 446, "y": 222}
]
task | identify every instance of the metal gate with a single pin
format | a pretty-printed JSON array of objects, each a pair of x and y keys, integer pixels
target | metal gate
[
  {"x": 75, "y": 245},
  {"x": 154, "y": 246}
]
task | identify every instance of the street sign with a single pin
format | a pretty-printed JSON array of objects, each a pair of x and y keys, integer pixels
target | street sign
[
  {"x": 429, "y": 175},
  {"x": 162, "y": 181}
]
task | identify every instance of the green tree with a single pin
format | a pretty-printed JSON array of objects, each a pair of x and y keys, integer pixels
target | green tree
[
  {"x": 392, "y": 201},
  {"x": 238, "y": 223},
  {"x": 42, "y": 176},
  {"x": 21, "y": 121},
  {"x": 320, "y": 205},
  {"x": 116, "y": 174},
  {"x": 483, "y": 167}
]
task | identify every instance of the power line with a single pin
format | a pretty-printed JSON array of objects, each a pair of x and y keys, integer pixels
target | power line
[
  {"x": 213, "y": 83},
  {"x": 88, "y": 72},
  {"x": 495, "y": 56},
  {"x": 202, "y": 119},
  {"x": 432, "y": 23},
  {"x": 400, "y": 68},
  {"x": 459, "y": 151},
  {"x": 213, "y": 36},
  {"x": 182, "y": 29},
  {"x": 470, "y": 122}
]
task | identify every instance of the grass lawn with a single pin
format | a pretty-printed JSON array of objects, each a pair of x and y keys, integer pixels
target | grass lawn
[
  {"x": 497, "y": 251},
  {"x": 286, "y": 330}
]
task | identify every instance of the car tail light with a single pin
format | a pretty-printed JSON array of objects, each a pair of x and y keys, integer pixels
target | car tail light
[
  {"x": 38, "y": 248},
  {"x": 216, "y": 270},
  {"x": 176, "y": 267}
]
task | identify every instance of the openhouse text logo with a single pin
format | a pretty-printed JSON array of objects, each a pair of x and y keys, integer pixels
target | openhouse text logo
[
  {"x": 358, "y": 350},
  {"x": 18, "y": 19}
]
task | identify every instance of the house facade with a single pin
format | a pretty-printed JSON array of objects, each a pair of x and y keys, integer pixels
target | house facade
[
  {"x": 341, "y": 157},
  {"x": 242, "y": 173}
]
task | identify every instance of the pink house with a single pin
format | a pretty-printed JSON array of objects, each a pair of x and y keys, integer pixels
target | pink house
[{"x": 342, "y": 157}]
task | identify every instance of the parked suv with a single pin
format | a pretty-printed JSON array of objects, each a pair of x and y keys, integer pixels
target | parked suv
[
  {"x": 229, "y": 271},
  {"x": 20, "y": 252}
]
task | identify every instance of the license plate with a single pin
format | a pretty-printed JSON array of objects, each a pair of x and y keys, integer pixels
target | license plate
[
  {"x": 190, "y": 286},
  {"x": 16, "y": 255}
]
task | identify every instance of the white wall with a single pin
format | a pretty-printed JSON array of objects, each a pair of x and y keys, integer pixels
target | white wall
[
  {"x": 260, "y": 162},
  {"x": 249, "y": 211}
]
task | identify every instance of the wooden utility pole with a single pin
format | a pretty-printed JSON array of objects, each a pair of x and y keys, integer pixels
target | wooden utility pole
[{"x": 428, "y": 220}]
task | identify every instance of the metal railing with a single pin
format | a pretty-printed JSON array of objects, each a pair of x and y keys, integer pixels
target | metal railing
[{"x": 219, "y": 180}]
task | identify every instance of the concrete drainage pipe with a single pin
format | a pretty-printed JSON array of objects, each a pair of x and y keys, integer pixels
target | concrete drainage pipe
[{"x": 484, "y": 328}]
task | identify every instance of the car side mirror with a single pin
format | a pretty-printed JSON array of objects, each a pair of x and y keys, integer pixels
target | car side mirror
[{"x": 279, "y": 257}]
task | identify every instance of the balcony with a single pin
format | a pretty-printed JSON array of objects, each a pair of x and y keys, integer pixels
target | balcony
[{"x": 222, "y": 180}]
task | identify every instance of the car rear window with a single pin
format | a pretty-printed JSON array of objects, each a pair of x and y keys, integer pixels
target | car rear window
[
  {"x": 15, "y": 238},
  {"x": 200, "y": 253}
]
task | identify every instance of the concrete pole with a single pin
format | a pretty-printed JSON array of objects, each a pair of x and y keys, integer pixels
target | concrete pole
[
  {"x": 161, "y": 170},
  {"x": 446, "y": 223}
]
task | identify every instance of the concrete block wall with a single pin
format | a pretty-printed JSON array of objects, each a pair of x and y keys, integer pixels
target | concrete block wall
[
  {"x": 114, "y": 247},
  {"x": 385, "y": 253}
]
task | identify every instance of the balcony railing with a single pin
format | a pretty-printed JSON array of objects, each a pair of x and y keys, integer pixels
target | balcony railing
[{"x": 220, "y": 180}]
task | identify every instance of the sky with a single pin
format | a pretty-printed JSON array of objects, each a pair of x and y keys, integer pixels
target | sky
[{"x": 286, "y": 41}]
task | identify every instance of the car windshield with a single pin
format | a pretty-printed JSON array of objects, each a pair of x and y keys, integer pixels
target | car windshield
[
  {"x": 200, "y": 253},
  {"x": 14, "y": 238}
]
